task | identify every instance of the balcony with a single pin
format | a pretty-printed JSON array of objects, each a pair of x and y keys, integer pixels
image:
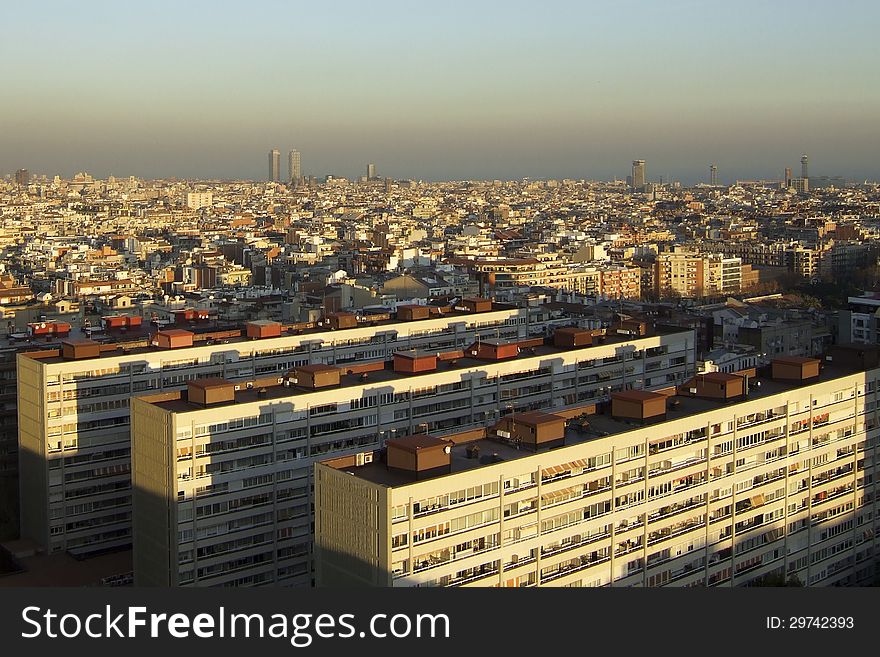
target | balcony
[
  {"x": 674, "y": 509},
  {"x": 582, "y": 564},
  {"x": 664, "y": 534}
]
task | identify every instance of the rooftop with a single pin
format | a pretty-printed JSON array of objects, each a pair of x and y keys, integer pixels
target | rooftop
[
  {"x": 136, "y": 340},
  {"x": 275, "y": 390},
  {"x": 416, "y": 442},
  {"x": 494, "y": 450}
]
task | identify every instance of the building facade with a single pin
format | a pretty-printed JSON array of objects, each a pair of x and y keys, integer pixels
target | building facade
[
  {"x": 73, "y": 409},
  {"x": 294, "y": 167},
  {"x": 223, "y": 489},
  {"x": 638, "y": 175},
  {"x": 275, "y": 165},
  {"x": 729, "y": 491}
]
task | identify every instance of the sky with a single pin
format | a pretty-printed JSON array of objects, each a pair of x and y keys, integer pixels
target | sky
[{"x": 447, "y": 90}]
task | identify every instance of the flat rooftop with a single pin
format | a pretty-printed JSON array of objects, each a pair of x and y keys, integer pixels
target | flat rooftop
[
  {"x": 61, "y": 569},
  {"x": 388, "y": 375},
  {"x": 598, "y": 426},
  {"x": 128, "y": 342}
]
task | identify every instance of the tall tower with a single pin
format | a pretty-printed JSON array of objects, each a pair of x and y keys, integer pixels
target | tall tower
[
  {"x": 804, "y": 168},
  {"x": 788, "y": 176},
  {"x": 638, "y": 175},
  {"x": 294, "y": 167},
  {"x": 275, "y": 165},
  {"x": 713, "y": 175},
  {"x": 371, "y": 171}
]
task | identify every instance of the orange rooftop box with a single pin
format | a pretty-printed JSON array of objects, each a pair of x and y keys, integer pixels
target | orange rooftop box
[
  {"x": 795, "y": 368},
  {"x": 77, "y": 349},
  {"x": 572, "y": 337},
  {"x": 263, "y": 328},
  {"x": 316, "y": 376},
  {"x": 476, "y": 304},
  {"x": 409, "y": 312},
  {"x": 174, "y": 338},
  {"x": 342, "y": 320},
  {"x": 210, "y": 391},
  {"x": 421, "y": 455},
  {"x": 638, "y": 404},
  {"x": 493, "y": 349},
  {"x": 414, "y": 361}
]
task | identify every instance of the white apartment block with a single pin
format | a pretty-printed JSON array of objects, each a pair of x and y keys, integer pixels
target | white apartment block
[
  {"x": 198, "y": 200},
  {"x": 223, "y": 477},
  {"x": 73, "y": 404},
  {"x": 715, "y": 492}
]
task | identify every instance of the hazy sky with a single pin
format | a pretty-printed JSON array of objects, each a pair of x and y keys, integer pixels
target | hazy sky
[{"x": 441, "y": 90}]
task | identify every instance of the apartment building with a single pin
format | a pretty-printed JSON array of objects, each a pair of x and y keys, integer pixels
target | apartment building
[
  {"x": 696, "y": 275},
  {"x": 8, "y": 445},
  {"x": 73, "y": 402},
  {"x": 223, "y": 477},
  {"x": 503, "y": 276},
  {"x": 858, "y": 323},
  {"x": 804, "y": 261},
  {"x": 733, "y": 479}
]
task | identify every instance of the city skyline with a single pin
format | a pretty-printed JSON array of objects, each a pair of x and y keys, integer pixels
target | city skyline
[
  {"x": 294, "y": 168},
  {"x": 594, "y": 87}
]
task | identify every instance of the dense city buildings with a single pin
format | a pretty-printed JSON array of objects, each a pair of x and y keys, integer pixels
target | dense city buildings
[{"x": 124, "y": 296}]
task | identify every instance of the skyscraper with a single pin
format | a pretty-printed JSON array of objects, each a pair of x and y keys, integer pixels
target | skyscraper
[
  {"x": 713, "y": 175},
  {"x": 638, "y": 175},
  {"x": 371, "y": 171},
  {"x": 804, "y": 167},
  {"x": 275, "y": 165},
  {"x": 788, "y": 176},
  {"x": 294, "y": 166},
  {"x": 22, "y": 177}
]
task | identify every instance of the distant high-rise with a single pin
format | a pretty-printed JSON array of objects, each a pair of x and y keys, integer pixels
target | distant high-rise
[
  {"x": 713, "y": 175},
  {"x": 788, "y": 176},
  {"x": 22, "y": 177},
  {"x": 371, "y": 171},
  {"x": 275, "y": 165},
  {"x": 294, "y": 166},
  {"x": 804, "y": 168},
  {"x": 638, "y": 175}
]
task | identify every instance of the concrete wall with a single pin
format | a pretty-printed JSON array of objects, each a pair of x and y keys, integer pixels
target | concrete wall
[
  {"x": 352, "y": 530},
  {"x": 154, "y": 522}
]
